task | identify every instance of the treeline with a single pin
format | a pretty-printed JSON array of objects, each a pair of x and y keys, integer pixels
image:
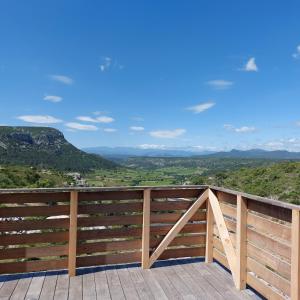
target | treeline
[
  {"x": 29, "y": 177},
  {"x": 278, "y": 181}
]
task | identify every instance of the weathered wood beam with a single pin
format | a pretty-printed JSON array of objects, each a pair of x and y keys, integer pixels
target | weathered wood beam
[
  {"x": 73, "y": 233},
  {"x": 224, "y": 235},
  {"x": 146, "y": 229}
]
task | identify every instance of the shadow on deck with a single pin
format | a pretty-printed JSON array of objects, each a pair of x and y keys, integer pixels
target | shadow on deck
[{"x": 169, "y": 279}]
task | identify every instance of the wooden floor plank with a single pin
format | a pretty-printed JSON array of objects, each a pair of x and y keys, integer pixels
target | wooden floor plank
[
  {"x": 226, "y": 287},
  {"x": 169, "y": 289},
  {"x": 205, "y": 284},
  {"x": 75, "y": 288},
  {"x": 153, "y": 285},
  {"x": 21, "y": 289},
  {"x": 102, "y": 289},
  {"x": 7, "y": 289},
  {"x": 48, "y": 288},
  {"x": 172, "y": 279},
  {"x": 140, "y": 284},
  {"x": 195, "y": 285},
  {"x": 35, "y": 287},
  {"x": 62, "y": 287},
  {"x": 181, "y": 287},
  {"x": 89, "y": 287},
  {"x": 114, "y": 284},
  {"x": 127, "y": 284}
]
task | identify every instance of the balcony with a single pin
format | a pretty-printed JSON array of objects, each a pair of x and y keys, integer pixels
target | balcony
[{"x": 195, "y": 242}]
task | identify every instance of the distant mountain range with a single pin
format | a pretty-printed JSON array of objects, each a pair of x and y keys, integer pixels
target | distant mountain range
[
  {"x": 114, "y": 152},
  {"x": 45, "y": 147},
  {"x": 134, "y": 151}
]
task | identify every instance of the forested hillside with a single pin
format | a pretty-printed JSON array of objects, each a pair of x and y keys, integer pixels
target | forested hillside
[
  {"x": 46, "y": 148},
  {"x": 279, "y": 181},
  {"x": 20, "y": 177}
]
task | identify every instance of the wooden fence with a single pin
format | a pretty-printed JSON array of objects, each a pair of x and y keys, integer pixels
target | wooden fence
[{"x": 256, "y": 238}]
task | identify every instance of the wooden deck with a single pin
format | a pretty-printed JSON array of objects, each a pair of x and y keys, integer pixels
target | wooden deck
[{"x": 175, "y": 279}]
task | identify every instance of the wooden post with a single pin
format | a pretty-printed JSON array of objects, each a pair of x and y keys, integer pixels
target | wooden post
[
  {"x": 73, "y": 233},
  {"x": 146, "y": 229},
  {"x": 295, "y": 259},
  {"x": 209, "y": 233},
  {"x": 241, "y": 242}
]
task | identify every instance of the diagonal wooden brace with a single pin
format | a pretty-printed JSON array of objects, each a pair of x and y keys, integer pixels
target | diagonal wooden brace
[
  {"x": 177, "y": 227},
  {"x": 224, "y": 235}
]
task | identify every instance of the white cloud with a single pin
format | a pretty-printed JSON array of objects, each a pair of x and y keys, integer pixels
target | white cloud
[
  {"x": 105, "y": 119},
  {"x": 168, "y": 134},
  {"x": 62, "y": 78},
  {"x": 251, "y": 65},
  {"x": 39, "y": 119},
  {"x": 297, "y": 53},
  {"x": 220, "y": 84},
  {"x": 152, "y": 146},
  {"x": 243, "y": 129},
  {"x": 109, "y": 129},
  {"x": 53, "y": 98},
  {"x": 137, "y": 128},
  {"x": 86, "y": 119},
  {"x": 201, "y": 107},
  {"x": 80, "y": 126},
  {"x": 106, "y": 63},
  {"x": 102, "y": 119}
]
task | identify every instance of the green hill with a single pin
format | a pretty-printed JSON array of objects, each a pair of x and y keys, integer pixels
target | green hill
[
  {"x": 279, "y": 181},
  {"x": 45, "y": 147}
]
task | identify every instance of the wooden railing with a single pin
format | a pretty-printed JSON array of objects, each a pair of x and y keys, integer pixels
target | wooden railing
[{"x": 257, "y": 239}]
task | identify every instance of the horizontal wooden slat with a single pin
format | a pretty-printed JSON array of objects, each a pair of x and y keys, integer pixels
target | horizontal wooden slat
[
  {"x": 110, "y": 208},
  {"x": 268, "y": 226},
  {"x": 94, "y": 260},
  {"x": 35, "y": 211},
  {"x": 133, "y": 207},
  {"x": 228, "y": 210},
  {"x": 271, "y": 261},
  {"x": 269, "y": 244},
  {"x": 32, "y": 266},
  {"x": 134, "y": 219},
  {"x": 135, "y": 232},
  {"x": 33, "y": 238},
  {"x": 268, "y": 276},
  {"x": 30, "y": 252},
  {"x": 176, "y": 193},
  {"x": 264, "y": 242},
  {"x": 110, "y": 220},
  {"x": 262, "y": 256},
  {"x": 137, "y": 244},
  {"x": 110, "y": 195},
  {"x": 253, "y": 281},
  {"x": 273, "y": 211},
  {"x": 34, "y": 225},
  {"x": 262, "y": 288},
  {"x": 174, "y": 217},
  {"x": 22, "y": 198}
]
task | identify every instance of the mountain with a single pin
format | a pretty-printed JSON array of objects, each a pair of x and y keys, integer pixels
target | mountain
[
  {"x": 47, "y": 148},
  {"x": 124, "y": 152},
  {"x": 257, "y": 153},
  {"x": 116, "y": 152}
]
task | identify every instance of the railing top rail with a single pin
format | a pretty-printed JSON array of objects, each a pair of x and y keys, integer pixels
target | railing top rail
[
  {"x": 269, "y": 201},
  {"x": 100, "y": 189},
  {"x": 140, "y": 188}
]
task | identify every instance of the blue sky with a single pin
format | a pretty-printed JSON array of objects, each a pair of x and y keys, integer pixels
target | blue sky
[{"x": 154, "y": 74}]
